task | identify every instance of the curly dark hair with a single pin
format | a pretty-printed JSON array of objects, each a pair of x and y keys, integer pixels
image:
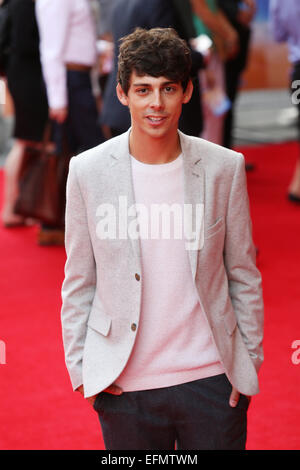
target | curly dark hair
[{"x": 158, "y": 52}]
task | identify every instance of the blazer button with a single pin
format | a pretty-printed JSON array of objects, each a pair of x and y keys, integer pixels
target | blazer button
[
  {"x": 137, "y": 276},
  {"x": 133, "y": 326}
]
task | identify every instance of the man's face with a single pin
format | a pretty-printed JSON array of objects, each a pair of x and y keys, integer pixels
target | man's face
[{"x": 155, "y": 104}]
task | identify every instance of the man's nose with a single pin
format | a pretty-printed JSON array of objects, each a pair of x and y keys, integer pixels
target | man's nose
[{"x": 157, "y": 101}]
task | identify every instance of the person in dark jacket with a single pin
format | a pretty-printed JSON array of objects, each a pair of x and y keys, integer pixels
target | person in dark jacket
[{"x": 130, "y": 14}]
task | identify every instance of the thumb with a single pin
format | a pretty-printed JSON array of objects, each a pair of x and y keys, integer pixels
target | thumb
[
  {"x": 114, "y": 390},
  {"x": 234, "y": 397}
]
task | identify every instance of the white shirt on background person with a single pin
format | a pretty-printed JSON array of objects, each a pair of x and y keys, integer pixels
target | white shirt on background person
[{"x": 67, "y": 35}]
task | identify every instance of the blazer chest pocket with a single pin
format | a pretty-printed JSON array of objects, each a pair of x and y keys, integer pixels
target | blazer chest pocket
[
  {"x": 214, "y": 228},
  {"x": 99, "y": 321}
]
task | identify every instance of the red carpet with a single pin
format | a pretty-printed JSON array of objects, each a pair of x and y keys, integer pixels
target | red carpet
[{"x": 38, "y": 409}]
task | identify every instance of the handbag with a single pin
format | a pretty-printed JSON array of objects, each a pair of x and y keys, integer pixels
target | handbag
[
  {"x": 5, "y": 31},
  {"x": 42, "y": 181}
]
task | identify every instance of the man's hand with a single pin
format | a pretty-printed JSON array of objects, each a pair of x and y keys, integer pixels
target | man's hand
[
  {"x": 234, "y": 397},
  {"x": 58, "y": 114},
  {"x": 113, "y": 389},
  {"x": 91, "y": 400}
]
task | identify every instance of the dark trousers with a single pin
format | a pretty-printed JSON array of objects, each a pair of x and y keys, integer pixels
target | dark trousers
[
  {"x": 192, "y": 416},
  {"x": 83, "y": 127},
  {"x": 81, "y": 131},
  {"x": 233, "y": 71}
]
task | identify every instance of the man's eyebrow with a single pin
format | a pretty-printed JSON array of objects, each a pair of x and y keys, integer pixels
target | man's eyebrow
[
  {"x": 149, "y": 84},
  {"x": 141, "y": 84}
]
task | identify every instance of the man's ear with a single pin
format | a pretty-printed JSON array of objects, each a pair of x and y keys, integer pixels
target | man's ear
[
  {"x": 123, "y": 98},
  {"x": 188, "y": 92}
]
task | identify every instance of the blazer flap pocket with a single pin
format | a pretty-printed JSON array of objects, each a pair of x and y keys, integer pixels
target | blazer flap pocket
[
  {"x": 230, "y": 323},
  {"x": 99, "y": 321}
]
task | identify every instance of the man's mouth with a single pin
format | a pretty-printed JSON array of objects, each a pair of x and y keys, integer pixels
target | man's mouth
[{"x": 156, "y": 119}]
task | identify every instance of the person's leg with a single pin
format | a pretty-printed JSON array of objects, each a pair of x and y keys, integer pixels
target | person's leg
[
  {"x": 136, "y": 420},
  {"x": 212, "y": 96},
  {"x": 204, "y": 418},
  {"x": 294, "y": 186},
  {"x": 232, "y": 75},
  {"x": 232, "y": 79},
  {"x": 83, "y": 125},
  {"x": 12, "y": 167}
]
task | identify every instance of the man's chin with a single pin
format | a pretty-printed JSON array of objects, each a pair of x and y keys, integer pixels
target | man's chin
[{"x": 163, "y": 131}]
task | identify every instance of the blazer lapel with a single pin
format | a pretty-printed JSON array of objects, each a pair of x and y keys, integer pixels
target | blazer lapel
[
  {"x": 194, "y": 188},
  {"x": 121, "y": 178},
  {"x": 194, "y": 194}
]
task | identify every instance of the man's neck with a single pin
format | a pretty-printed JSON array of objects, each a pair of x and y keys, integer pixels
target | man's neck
[{"x": 154, "y": 151}]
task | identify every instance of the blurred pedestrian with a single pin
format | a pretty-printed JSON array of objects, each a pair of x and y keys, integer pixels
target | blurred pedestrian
[
  {"x": 126, "y": 16},
  {"x": 68, "y": 54},
  {"x": 105, "y": 47},
  {"x": 239, "y": 14},
  {"x": 285, "y": 18},
  {"x": 26, "y": 86},
  {"x": 209, "y": 20},
  {"x": 104, "y": 26}
]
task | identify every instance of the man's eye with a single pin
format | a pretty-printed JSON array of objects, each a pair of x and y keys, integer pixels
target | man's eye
[
  {"x": 169, "y": 89},
  {"x": 142, "y": 91}
]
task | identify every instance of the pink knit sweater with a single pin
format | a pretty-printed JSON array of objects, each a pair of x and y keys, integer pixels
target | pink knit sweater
[{"x": 174, "y": 343}]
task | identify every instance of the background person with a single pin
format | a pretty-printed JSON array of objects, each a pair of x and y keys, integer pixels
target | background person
[
  {"x": 285, "y": 25},
  {"x": 240, "y": 15},
  {"x": 26, "y": 86},
  {"x": 209, "y": 20},
  {"x": 68, "y": 54},
  {"x": 157, "y": 13}
]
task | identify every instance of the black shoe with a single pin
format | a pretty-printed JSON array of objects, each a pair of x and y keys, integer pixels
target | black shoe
[
  {"x": 293, "y": 198},
  {"x": 250, "y": 166}
]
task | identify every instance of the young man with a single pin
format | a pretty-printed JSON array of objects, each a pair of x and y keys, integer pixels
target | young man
[{"x": 162, "y": 308}]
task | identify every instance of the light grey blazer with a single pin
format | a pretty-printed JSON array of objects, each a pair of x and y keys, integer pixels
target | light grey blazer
[{"x": 101, "y": 292}]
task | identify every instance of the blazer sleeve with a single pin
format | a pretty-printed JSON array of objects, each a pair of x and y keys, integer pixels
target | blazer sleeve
[
  {"x": 79, "y": 284},
  {"x": 244, "y": 279}
]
